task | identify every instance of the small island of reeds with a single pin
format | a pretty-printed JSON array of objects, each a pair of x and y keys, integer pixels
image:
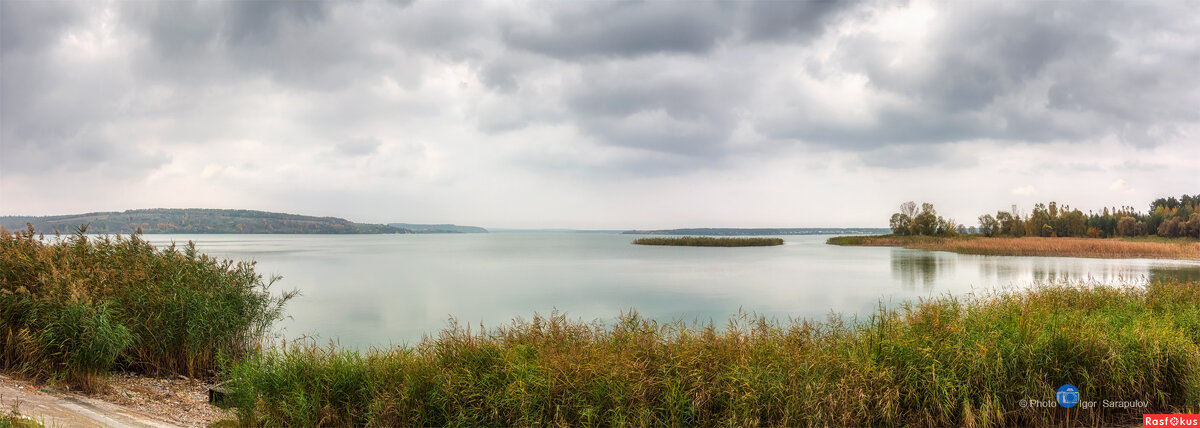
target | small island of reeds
[
  {"x": 708, "y": 241},
  {"x": 1102, "y": 248}
]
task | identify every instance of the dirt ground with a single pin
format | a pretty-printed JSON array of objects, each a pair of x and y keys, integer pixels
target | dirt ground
[{"x": 131, "y": 401}]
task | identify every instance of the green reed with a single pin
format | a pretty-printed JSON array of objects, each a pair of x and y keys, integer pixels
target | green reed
[
  {"x": 945, "y": 361},
  {"x": 75, "y": 306}
]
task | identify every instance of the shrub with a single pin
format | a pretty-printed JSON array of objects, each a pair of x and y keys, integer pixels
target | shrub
[
  {"x": 77, "y": 340},
  {"x": 73, "y": 306}
]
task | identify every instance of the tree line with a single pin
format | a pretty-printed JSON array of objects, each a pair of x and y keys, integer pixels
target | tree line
[
  {"x": 1168, "y": 217},
  {"x": 911, "y": 221}
]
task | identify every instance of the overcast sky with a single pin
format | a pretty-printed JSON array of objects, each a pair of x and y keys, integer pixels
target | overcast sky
[{"x": 597, "y": 114}]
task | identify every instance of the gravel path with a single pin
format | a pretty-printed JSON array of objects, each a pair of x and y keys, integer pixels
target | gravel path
[{"x": 132, "y": 401}]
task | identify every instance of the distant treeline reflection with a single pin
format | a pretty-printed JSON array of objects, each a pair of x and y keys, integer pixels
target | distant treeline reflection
[{"x": 921, "y": 269}]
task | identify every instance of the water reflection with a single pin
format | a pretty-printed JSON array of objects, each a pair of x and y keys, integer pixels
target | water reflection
[
  {"x": 928, "y": 270},
  {"x": 1191, "y": 273},
  {"x": 369, "y": 290},
  {"x": 915, "y": 268}
]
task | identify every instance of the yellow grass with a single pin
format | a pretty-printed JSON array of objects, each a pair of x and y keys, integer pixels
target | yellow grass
[{"x": 1035, "y": 246}]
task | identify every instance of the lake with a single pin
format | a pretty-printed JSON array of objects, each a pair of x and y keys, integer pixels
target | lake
[{"x": 376, "y": 290}]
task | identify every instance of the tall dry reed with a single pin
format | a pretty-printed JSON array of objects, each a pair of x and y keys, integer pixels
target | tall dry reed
[
  {"x": 948, "y": 361},
  {"x": 1115, "y": 248},
  {"x": 74, "y": 306}
]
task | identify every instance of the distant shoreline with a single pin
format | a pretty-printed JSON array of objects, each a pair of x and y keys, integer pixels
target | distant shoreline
[
  {"x": 729, "y": 231},
  {"x": 706, "y": 241},
  {"x": 1099, "y": 248},
  {"x": 214, "y": 221}
]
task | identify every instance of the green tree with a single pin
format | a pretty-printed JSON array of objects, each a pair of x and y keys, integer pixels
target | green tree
[
  {"x": 926, "y": 222},
  {"x": 900, "y": 224},
  {"x": 988, "y": 225},
  {"x": 1038, "y": 220}
]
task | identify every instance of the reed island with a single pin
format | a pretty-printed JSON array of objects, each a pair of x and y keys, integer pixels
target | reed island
[{"x": 708, "y": 241}]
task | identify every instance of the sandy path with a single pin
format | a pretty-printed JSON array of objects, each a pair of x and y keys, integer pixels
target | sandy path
[{"x": 53, "y": 408}]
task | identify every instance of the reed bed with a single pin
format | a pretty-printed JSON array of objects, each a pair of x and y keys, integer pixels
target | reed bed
[
  {"x": 946, "y": 361},
  {"x": 73, "y": 307},
  {"x": 1178, "y": 249},
  {"x": 708, "y": 241}
]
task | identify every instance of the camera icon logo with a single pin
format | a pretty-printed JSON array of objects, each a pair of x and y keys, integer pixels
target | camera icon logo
[{"x": 1067, "y": 396}]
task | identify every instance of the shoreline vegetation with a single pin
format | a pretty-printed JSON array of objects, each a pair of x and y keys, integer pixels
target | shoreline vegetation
[
  {"x": 710, "y": 231},
  {"x": 707, "y": 241},
  {"x": 945, "y": 361},
  {"x": 1167, "y": 218},
  {"x": 1110, "y": 248},
  {"x": 1171, "y": 230},
  {"x": 72, "y": 309}
]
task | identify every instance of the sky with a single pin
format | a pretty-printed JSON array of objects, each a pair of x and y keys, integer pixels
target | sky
[{"x": 597, "y": 115}]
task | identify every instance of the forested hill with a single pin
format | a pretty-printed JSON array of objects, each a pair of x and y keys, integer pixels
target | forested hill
[
  {"x": 438, "y": 228},
  {"x": 194, "y": 220}
]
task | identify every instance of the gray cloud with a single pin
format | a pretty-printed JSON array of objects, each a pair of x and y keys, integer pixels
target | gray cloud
[
  {"x": 29, "y": 27},
  {"x": 260, "y": 21},
  {"x": 617, "y": 29},
  {"x": 648, "y": 75},
  {"x": 601, "y": 90},
  {"x": 359, "y": 146},
  {"x": 666, "y": 109},
  {"x": 290, "y": 42},
  {"x": 915, "y": 156},
  {"x": 788, "y": 20},
  {"x": 1026, "y": 72}
]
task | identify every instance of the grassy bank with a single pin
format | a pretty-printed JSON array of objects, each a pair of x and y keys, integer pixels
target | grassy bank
[
  {"x": 707, "y": 241},
  {"x": 948, "y": 361},
  {"x": 18, "y": 421},
  {"x": 74, "y": 307},
  {"x": 1116, "y": 248}
]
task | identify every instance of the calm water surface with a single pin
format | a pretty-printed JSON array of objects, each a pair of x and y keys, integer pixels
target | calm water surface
[{"x": 365, "y": 290}]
